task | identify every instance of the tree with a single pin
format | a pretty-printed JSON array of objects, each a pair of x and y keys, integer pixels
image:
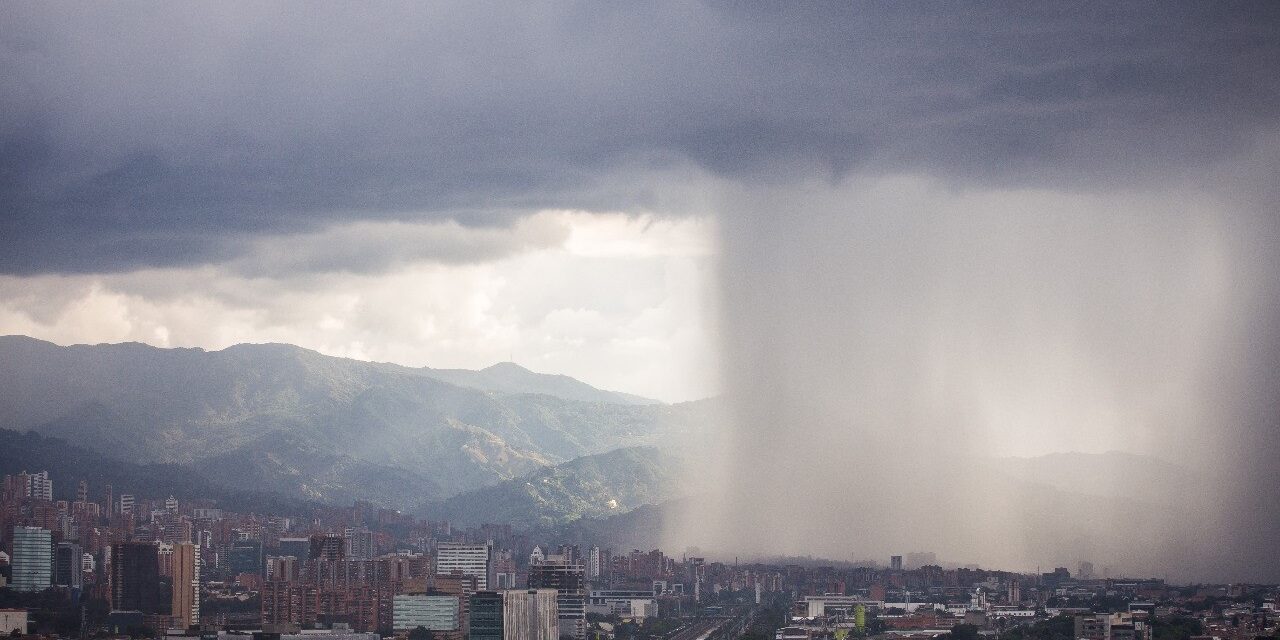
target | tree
[
  {"x": 1176, "y": 628},
  {"x": 420, "y": 633},
  {"x": 964, "y": 632}
]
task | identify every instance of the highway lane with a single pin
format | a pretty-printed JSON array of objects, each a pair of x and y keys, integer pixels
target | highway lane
[{"x": 698, "y": 629}]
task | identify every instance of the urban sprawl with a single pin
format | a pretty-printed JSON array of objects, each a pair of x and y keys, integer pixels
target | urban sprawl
[{"x": 113, "y": 565}]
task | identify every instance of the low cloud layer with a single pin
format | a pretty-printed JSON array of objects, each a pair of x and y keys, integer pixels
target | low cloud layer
[{"x": 552, "y": 305}]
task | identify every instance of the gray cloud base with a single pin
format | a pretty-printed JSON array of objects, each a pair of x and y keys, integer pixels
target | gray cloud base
[{"x": 148, "y": 134}]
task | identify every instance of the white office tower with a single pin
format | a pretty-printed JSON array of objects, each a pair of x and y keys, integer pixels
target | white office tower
[
  {"x": 537, "y": 555},
  {"x": 41, "y": 487},
  {"x": 126, "y": 503},
  {"x": 593, "y": 563},
  {"x": 467, "y": 559}
]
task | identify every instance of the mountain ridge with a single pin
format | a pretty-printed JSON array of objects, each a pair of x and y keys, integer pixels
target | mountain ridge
[
  {"x": 503, "y": 377},
  {"x": 594, "y": 486},
  {"x": 133, "y": 402}
]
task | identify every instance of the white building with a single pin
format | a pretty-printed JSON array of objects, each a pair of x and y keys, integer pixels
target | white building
[
  {"x": 626, "y": 603},
  {"x": 593, "y": 563},
  {"x": 13, "y": 620},
  {"x": 836, "y": 604},
  {"x": 41, "y": 486},
  {"x": 434, "y": 613},
  {"x": 467, "y": 559}
]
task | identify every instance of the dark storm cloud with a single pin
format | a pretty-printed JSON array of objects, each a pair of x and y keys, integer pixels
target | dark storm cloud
[{"x": 139, "y": 134}]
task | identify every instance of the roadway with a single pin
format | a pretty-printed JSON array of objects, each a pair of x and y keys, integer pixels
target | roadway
[{"x": 698, "y": 629}]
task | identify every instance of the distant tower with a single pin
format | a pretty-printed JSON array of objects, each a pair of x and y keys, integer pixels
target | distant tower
[
  {"x": 171, "y": 504},
  {"x": 360, "y": 544},
  {"x": 185, "y": 597},
  {"x": 593, "y": 563},
  {"x": 68, "y": 565},
  {"x": 1085, "y": 572},
  {"x": 41, "y": 486},
  {"x": 135, "y": 577},
  {"x": 32, "y": 560},
  {"x": 467, "y": 559},
  {"x": 111, "y": 500},
  {"x": 82, "y": 492},
  {"x": 329, "y": 547},
  {"x": 537, "y": 555},
  {"x": 895, "y": 562}
]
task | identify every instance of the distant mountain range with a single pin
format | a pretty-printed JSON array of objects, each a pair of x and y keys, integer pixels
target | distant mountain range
[
  {"x": 280, "y": 428},
  {"x": 596, "y": 486},
  {"x": 509, "y": 377},
  {"x": 307, "y": 426},
  {"x": 68, "y": 464}
]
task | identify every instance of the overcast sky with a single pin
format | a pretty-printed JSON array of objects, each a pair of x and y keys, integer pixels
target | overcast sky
[{"x": 1013, "y": 228}]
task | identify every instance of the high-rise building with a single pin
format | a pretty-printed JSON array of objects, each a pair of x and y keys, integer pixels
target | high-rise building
[
  {"x": 126, "y": 503},
  {"x": 283, "y": 568},
  {"x": 245, "y": 556},
  {"x": 41, "y": 486},
  {"x": 568, "y": 577},
  {"x": 432, "y": 612},
  {"x": 174, "y": 528},
  {"x": 593, "y": 563},
  {"x": 135, "y": 577},
  {"x": 917, "y": 559},
  {"x": 467, "y": 559},
  {"x": 185, "y": 601},
  {"x": 1014, "y": 592},
  {"x": 15, "y": 488},
  {"x": 1085, "y": 572},
  {"x": 895, "y": 563},
  {"x": 82, "y": 492},
  {"x": 299, "y": 548},
  {"x": 32, "y": 564},
  {"x": 171, "y": 504},
  {"x": 504, "y": 570},
  {"x": 68, "y": 561},
  {"x": 530, "y": 614},
  {"x": 359, "y": 543},
  {"x": 486, "y": 616},
  {"x": 328, "y": 547}
]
